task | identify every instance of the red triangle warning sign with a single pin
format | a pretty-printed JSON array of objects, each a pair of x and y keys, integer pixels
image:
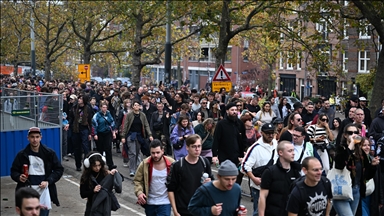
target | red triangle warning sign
[{"x": 221, "y": 75}]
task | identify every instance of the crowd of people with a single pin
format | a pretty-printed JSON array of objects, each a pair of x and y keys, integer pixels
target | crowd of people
[{"x": 168, "y": 138}]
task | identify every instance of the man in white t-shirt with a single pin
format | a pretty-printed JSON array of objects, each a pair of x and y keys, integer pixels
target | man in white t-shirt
[
  {"x": 302, "y": 149},
  {"x": 153, "y": 171}
]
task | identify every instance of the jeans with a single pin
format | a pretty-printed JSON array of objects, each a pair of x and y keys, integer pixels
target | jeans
[
  {"x": 255, "y": 195},
  {"x": 365, "y": 205},
  {"x": 64, "y": 145},
  {"x": 44, "y": 212},
  {"x": 133, "y": 154},
  {"x": 348, "y": 207},
  {"x": 80, "y": 142},
  {"x": 158, "y": 210},
  {"x": 104, "y": 143}
]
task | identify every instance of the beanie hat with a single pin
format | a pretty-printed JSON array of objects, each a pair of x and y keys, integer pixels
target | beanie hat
[
  {"x": 230, "y": 105},
  {"x": 228, "y": 168}
]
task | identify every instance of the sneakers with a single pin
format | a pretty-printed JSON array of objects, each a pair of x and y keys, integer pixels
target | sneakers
[
  {"x": 118, "y": 150},
  {"x": 65, "y": 158},
  {"x": 132, "y": 174},
  {"x": 78, "y": 169},
  {"x": 125, "y": 164},
  {"x": 69, "y": 155}
]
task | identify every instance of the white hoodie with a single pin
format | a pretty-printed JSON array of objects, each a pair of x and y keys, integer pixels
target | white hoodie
[{"x": 258, "y": 154}]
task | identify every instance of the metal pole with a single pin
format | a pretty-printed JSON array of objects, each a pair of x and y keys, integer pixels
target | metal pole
[
  {"x": 168, "y": 46},
  {"x": 33, "y": 57}
]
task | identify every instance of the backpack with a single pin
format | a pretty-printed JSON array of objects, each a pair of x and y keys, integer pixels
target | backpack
[{"x": 202, "y": 159}]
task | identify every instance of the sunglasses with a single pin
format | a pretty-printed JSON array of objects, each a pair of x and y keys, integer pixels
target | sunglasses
[
  {"x": 204, "y": 103},
  {"x": 352, "y": 132},
  {"x": 238, "y": 104},
  {"x": 298, "y": 119},
  {"x": 324, "y": 120}
]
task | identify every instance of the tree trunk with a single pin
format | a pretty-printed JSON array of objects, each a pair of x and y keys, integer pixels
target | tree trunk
[
  {"x": 87, "y": 46},
  {"x": 270, "y": 79},
  {"x": 224, "y": 38},
  {"x": 377, "y": 91},
  {"x": 136, "y": 55},
  {"x": 47, "y": 69}
]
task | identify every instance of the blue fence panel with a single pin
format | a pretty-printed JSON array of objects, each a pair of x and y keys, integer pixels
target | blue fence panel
[{"x": 14, "y": 141}]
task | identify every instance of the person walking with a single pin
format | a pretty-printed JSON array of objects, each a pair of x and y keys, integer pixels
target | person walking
[
  {"x": 206, "y": 131},
  {"x": 179, "y": 134},
  {"x": 260, "y": 154},
  {"x": 94, "y": 174},
  {"x": 80, "y": 120},
  {"x": 135, "y": 130},
  {"x": 321, "y": 135},
  {"x": 229, "y": 140},
  {"x": 219, "y": 197},
  {"x": 186, "y": 176},
  {"x": 276, "y": 181},
  {"x": 317, "y": 190},
  {"x": 44, "y": 167},
  {"x": 350, "y": 155},
  {"x": 103, "y": 127},
  {"x": 150, "y": 179}
]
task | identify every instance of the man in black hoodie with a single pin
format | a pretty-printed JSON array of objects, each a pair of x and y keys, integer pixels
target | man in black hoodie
[{"x": 229, "y": 138}]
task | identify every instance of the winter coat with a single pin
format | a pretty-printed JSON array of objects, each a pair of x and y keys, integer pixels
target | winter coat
[{"x": 53, "y": 169}]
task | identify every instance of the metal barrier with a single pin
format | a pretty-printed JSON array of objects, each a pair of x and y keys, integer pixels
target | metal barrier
[{"x": 20, "y": 110}]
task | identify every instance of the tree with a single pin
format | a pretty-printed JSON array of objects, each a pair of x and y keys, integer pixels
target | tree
[
  {"x": 15, "y": 33},
  {"x": 146, "y": 21},
  {"x": 95, "y": 26},
  {"x": 51, "y": 29},
  {"x": 373, "y": 12}
]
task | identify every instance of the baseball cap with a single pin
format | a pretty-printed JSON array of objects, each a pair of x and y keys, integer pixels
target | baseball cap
[
  {"x": 73, "y": 97},
  {"x": 268, "y": 127},
  {"x": 34, "y": 130},
  {"x": 362, "y": 99}
]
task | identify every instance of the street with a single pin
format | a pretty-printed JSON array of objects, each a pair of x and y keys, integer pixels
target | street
[{"x": 69, "y": 194}]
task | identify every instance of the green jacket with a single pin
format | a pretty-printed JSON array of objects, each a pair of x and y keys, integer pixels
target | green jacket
[
  {"x": 144, "y": 173},
  {"x": 128, "y": 119},
  {"x": 199, "y": 129}
]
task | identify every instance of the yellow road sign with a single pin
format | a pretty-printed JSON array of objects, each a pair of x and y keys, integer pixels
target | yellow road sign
[
  {"x": 216, "y": 86},
  {"x": 84, "y": 72}
]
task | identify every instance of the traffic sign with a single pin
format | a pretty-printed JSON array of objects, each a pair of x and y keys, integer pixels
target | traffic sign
[
  {"x": 216, "y": 86},
  {"x": 84, "y": 72},
  {"x": 221, "y": 75}
]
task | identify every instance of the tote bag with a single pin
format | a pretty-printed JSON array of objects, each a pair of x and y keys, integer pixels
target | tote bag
[{"x": 341, "y": 183}]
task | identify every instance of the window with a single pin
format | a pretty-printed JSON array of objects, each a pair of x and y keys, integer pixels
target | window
[
  {"x": 364, "y": 57},
  {"x": 204, "y": 54},
  {"x": 345, "y": 29},
  {"x": 364, "y": 31},
  {"x": 299, "y": 59},
  {"x": 245, "y": 51},
  {"x": 290, "y": 61},
  {"x": 345, "y": 61},
  {"x": 321, "y": 27},
  {"x": 281, "y": 61}
]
